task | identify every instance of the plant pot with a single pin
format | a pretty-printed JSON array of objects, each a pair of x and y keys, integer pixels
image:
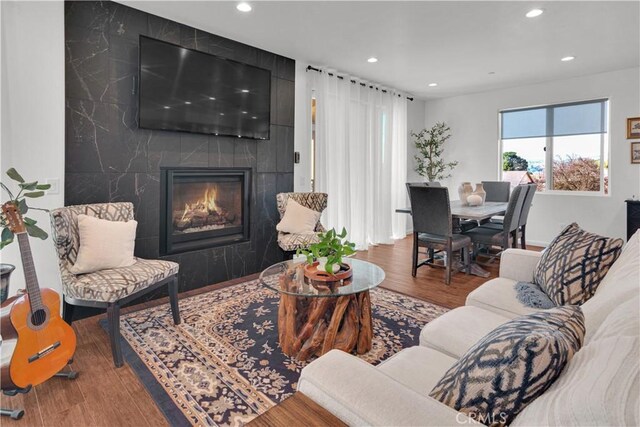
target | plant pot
[
  {"x": 5, "y": 274},
  {"x": 322, "y": 279}
]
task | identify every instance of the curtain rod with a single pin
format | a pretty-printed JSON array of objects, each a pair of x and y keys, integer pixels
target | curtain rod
[{"x": 353, "y": 81}]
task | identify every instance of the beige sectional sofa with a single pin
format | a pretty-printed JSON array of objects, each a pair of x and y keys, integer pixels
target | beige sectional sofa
[{"x": 598, "y": 387}]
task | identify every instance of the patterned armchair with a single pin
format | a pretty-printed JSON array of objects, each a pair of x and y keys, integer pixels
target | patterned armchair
[
  {"x": 111, "y": 288},
  {"x": 318, "y": 202}
]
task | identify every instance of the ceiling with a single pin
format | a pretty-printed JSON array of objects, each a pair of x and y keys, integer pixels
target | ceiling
[{"x": 456, "y": 44}]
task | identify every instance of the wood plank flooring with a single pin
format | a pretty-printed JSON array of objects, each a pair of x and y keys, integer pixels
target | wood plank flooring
[{"x": 105, "y": 396}]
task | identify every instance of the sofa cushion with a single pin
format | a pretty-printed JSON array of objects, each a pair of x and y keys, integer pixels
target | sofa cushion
[
  {"x": 599, "y": 387},
  {"x": 499, "y": 295},
  {"x": 456, "y": 331},
  {"x": 418, "y": 368},
  {"x": 621, "y": 284},
  {"x": 512, "y": 365},
  {"x": 623, "y": 321},
  {"x": 574, "y": 264}
]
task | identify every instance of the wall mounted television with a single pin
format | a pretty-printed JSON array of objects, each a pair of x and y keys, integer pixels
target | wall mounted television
[{"x": 190, "y": 91}]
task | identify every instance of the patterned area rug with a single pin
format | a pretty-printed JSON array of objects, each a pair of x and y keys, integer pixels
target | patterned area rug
[{"x": 223, "y": 366}]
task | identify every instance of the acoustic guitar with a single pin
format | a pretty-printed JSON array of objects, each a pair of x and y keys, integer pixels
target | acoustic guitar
[{"x": 36, "y": 342}]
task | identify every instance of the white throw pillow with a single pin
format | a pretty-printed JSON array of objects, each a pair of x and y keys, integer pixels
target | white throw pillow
[
  {"x": 298, "y": 219},
  {"x": 104, "y": 244}
]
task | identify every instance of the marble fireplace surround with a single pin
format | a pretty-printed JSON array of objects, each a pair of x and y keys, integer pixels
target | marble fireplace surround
[{"x": 108, "y": 158}]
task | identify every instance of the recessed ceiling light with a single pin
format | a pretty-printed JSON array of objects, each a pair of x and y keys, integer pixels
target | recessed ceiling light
[
  {"x": 245, "y": 91},
  {"x": 433, "y": 84},
  {"x": 212, "y": 98},
  {"x": 222, "y": 114},
  {"x": 244, "y": 112},
  {"x": 534, "y": 12},
  {"x": 187, "y": 102},
  {"x": 254, "y": 117},
  {"x": 568, "y": 58},
  {"x": 244, "y": 7},
  {"x": 372, "y": 59},
  {"x": 166, "y": 107}
]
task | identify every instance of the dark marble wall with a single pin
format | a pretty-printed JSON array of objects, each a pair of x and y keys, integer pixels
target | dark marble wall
[{"x": 109, "y": 159}]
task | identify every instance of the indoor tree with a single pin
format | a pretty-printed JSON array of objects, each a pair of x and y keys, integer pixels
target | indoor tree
[{"x": 430, "y": 146}]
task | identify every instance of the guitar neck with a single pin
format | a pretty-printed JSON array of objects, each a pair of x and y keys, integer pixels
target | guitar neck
[{"x": 33, "y": 289}]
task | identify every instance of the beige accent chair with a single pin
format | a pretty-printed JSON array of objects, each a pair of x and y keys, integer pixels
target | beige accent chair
[{"x": 110, "y": 288}]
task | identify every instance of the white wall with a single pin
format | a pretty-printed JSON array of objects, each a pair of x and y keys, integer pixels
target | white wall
[
  {"x": 32, "y": 117},
  {"x": 474, "y": 143},
  {"x": 302, "y": 131}
]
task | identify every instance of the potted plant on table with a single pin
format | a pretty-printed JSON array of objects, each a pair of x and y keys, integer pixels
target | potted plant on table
[{"x": 326, "y": 255}]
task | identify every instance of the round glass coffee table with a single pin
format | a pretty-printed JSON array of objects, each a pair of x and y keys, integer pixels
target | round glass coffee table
[{"x": 314, "y": 318}]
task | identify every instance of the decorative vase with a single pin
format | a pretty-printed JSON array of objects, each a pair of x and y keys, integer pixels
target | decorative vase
[
  {"x": 480, "y": 192},
  {"x": 464, "y": 191},
  {"x": 474, "y": 200},
  {"x": 5, "y": 274}
]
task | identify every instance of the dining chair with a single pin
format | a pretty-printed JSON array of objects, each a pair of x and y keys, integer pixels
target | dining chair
[
  {"x": 489, "y": 235},
  {"x": 524, "y": 215},
  {"x": 497, "y": 191},
  {"x": 433, "y": 228},
  {"x": 497, "y": 224}
]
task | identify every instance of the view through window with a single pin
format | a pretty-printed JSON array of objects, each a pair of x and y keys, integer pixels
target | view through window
[{"x": 562, "y": 147}]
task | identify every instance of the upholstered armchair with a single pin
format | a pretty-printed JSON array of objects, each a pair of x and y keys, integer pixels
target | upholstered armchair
[
  {"x": 110, "y": 288},
  {"x": 290, "y": 242}
]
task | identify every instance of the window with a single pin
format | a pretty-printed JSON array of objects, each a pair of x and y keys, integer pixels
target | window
[{"x": 563, "y": 147}]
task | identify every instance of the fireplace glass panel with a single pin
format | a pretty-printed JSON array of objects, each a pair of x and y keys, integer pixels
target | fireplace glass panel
[{"x": 206, "y": 206}]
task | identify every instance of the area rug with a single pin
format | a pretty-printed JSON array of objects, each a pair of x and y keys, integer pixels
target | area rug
[{"x": 222, "y": 364}]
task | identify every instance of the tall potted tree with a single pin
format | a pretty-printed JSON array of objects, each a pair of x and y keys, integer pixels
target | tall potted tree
[{"x": 430, "y": 145}]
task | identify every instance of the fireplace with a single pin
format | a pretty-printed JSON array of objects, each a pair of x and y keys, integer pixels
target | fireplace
[{"x": 201, "y": 208}]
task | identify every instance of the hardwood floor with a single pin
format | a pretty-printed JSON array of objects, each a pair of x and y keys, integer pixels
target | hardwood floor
[{"x": 105, "y": 396}]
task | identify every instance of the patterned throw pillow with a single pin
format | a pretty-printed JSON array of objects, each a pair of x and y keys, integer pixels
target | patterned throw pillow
[
  {"x": 574, "y": 264},
  {"x": 512, "y": 365}
]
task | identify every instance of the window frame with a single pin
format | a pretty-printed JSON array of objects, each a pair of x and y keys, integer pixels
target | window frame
[{"x": 548, "y": 172}]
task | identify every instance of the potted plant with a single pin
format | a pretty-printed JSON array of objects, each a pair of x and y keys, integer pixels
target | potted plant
[
  {"x": 328, "y": 252},
  {"x": 30, "y": 190},
  {"x": 430, "y": 146}
]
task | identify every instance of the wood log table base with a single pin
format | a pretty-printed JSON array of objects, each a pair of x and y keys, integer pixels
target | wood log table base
[{"x": 309, "y": 326}]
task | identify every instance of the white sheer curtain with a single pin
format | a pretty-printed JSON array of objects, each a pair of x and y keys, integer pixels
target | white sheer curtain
[{"x": 361, "y": 143}]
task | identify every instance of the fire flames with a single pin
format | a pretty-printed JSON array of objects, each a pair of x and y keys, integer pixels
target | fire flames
[
  {"x": 207, "y": 213},
  {"x": 204, "y": 205}
]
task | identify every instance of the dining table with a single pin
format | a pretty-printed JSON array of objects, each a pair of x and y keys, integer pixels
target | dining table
[{"x": 460, "y": 211}]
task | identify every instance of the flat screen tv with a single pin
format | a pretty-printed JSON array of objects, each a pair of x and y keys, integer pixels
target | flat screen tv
[{"x": 185, "y": 90}]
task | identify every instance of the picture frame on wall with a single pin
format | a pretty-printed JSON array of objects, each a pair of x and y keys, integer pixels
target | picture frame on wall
[
  {"x": 633, "y": 128},
  {"x": 635, "y": 152}
]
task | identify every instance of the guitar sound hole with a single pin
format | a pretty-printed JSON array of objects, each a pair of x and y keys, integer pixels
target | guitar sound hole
[{"x": 38, "y": 317}]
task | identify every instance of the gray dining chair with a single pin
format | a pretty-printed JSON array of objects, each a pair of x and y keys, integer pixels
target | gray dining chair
[
  {"x": 433, "y": 228},
  {"x": 497, "y": 223},
  {"x": 489, "y": 236},
  {"x": 497, "y": 191}
]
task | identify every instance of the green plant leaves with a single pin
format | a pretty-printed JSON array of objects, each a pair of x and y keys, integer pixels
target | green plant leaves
[
  {"x": 34, "y": 194},
  {"x": 22, "y": 206},
  {"x": 43, "y": 186},
  {"x": 14, "y": 175},
  {"x": 331, "y": 245},
  {"x": 35, "y": 231},
  {"x": 29, "y": 186}
]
